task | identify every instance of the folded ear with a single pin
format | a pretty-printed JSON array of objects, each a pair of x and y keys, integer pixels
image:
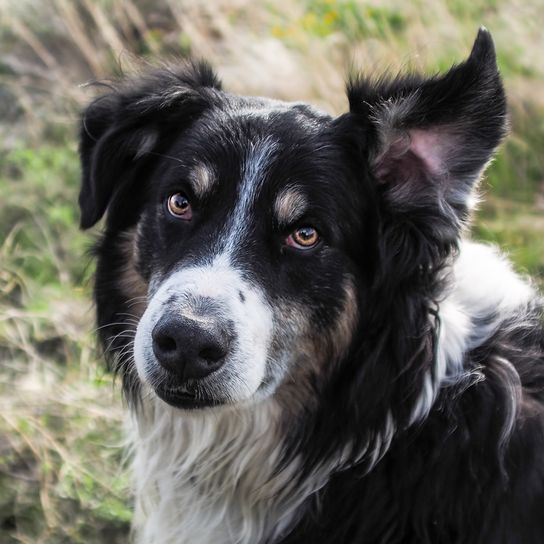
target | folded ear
[
  {"x": 122, "y": 131},
  {"x": 430, "y": 139}
]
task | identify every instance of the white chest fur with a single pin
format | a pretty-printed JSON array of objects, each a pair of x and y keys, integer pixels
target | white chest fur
[{"x": 210, "y": 478}]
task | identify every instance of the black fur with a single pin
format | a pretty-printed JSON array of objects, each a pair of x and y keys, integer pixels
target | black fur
[
  {"x": 454, "y": 479},
  {"x": 471, "y": 470}
]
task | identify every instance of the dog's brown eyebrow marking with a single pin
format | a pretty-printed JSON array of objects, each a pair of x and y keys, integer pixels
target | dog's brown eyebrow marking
[
  {"x": 202, "y": 180},
  {"x": 289, "y": 206}
]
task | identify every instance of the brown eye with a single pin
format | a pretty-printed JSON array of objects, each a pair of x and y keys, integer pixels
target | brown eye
[
  {"x": 179, "y": 206},
  {"x": 303, "y": 238}
]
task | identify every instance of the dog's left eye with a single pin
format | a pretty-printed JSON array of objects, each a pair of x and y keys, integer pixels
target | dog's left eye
[
  {"x": 303, "y": 238},
  {"x": 179, "y": 206}
]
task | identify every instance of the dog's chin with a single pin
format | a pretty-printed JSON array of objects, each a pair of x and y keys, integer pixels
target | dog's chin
[{"x": 186, "y": 401}]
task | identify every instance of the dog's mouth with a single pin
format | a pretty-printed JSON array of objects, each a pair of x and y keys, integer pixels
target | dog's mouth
[{"x": 185, "y": 400}]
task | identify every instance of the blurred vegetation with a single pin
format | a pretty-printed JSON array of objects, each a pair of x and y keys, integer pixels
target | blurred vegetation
[{"x": 62, "y": 476}]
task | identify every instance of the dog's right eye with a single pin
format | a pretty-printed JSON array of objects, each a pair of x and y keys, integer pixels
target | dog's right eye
[
  {"x": 179, "y": 206},
  {"x": 303, "y": 238}
]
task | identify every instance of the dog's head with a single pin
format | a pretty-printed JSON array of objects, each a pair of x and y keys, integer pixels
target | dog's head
[{"x": 255, "y": 246}]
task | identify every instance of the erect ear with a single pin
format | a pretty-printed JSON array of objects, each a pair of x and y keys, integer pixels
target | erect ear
[
  {"x": 430, "y": 139},
  {"x": 122, "y": 131}
]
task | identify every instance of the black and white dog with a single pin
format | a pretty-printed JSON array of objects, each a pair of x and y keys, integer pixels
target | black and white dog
[{"x": 312, "y": 349}]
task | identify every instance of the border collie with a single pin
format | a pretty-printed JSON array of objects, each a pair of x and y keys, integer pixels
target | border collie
[{"x": 311, "y": 347}]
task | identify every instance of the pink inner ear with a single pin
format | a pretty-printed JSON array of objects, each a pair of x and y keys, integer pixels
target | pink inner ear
[
  {"x": 432, "y": 146},
  {"x": 413, "y": 155}
]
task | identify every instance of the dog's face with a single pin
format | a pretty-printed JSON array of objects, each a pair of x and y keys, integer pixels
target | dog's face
[
  {"x": 247, "y": 262},
  {"x": 258, "y": 243}
]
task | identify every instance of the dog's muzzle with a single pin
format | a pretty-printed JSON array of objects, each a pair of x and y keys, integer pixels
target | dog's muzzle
[{"x": 204, "y": 337}]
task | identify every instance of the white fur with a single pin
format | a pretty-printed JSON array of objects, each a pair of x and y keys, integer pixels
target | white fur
[
  {"x": 211, "y": 477},
  {"x": 483, "y": 284},
  {"x": 253, "y": 173},
  {"x": 512, "y": 381}
]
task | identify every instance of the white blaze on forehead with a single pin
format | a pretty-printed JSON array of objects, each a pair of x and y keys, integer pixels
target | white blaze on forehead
[
  {"x": 242, "y": 304},
  {"x": 202, "y": 180},
  {"x": 290, "y": 206},
  {"x": 254, "y": 168}
]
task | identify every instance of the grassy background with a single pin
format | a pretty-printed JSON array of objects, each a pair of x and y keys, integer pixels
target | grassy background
[{"x": 61, "y": 462}]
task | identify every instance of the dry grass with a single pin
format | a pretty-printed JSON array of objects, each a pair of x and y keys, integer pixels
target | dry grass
[{"x": 61, "y": 477}]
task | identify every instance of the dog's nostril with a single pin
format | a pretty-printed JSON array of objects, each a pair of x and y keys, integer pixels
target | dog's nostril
[
  {"x": 212, "y": 354},
  {"x": 165, "y": 343}
]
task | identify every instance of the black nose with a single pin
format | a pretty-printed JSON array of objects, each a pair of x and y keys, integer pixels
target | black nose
[{"x": 189, "y": 349}]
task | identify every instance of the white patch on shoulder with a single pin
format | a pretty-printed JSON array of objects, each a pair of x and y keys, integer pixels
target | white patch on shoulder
[
  {"x": 483, "y": 290},
  {"x": 486, "y": 282}
]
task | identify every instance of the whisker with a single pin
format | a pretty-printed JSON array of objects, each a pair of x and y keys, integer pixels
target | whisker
[
  {"x": 123, "y": 334},
  {"x": 112, "y": 324}
]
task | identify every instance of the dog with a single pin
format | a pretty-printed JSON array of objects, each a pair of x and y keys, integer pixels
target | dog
[{"x": 311, "y": 346}]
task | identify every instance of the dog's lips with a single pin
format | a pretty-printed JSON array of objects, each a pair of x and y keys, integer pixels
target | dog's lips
[{"x": 184, "y": 400}]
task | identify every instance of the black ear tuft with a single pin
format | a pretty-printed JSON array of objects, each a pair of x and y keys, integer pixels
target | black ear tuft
[
  {"x": 204, "y": 76},
  {"x": 431, "y": 138},
  {"x": 121, "y": 131},
  {"x": 483, "y": 50}
]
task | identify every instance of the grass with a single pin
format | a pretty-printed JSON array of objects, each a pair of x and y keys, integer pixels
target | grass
[
  {"x": 518, "y": 229},
  {"x": 350, "y": 18},
  {"x": 62, "y": 475}
]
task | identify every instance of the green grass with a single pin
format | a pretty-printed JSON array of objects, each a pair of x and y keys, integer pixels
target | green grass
[
  {"x": 60, "y": 470},
  {"x": 350, "y": 18},
  {"x": 62, "y": 476},
  {"x": 517, "y": 172},
  {"x": 519, "y": 230}
]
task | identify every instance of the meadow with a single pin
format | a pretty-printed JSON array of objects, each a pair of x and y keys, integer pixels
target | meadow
[{"x": 63, "y": 469}]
